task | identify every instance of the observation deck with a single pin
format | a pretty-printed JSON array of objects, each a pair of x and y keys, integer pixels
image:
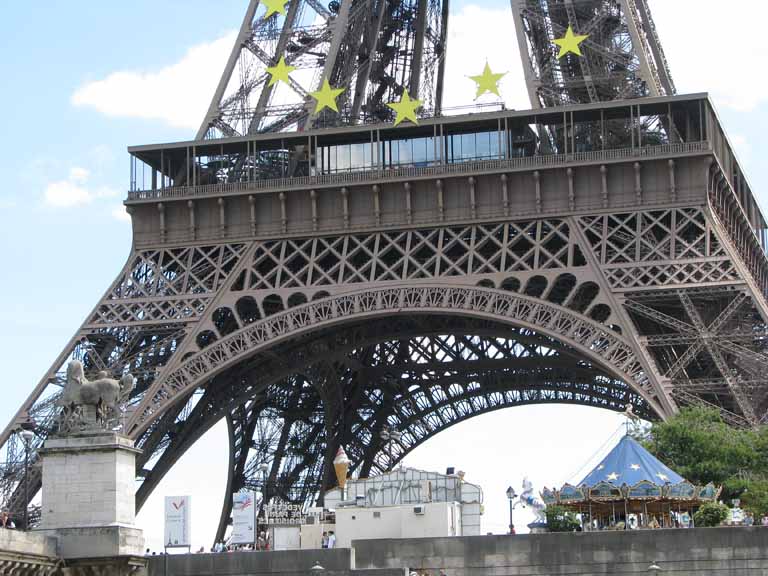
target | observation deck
[{"x": 473, "y": 167}]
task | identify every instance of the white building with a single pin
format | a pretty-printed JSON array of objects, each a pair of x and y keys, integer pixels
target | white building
[{"x": 406, "y": 503}]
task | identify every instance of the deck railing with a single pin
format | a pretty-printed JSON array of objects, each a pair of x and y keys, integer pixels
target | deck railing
[{"x": 375, "y": 175}]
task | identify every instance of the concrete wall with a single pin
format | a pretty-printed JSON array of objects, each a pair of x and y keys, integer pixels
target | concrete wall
[
  {"x": 703, "y": 551},
  {"x": 26, "y": 553},
  {"x": 32, "y": 543},
  {"x": 337, "y": 562}
]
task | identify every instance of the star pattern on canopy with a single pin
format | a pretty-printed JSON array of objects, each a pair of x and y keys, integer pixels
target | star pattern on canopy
[
  {"x": 487, "y": 82},
  {"x": 280, "y": 72},
  {"x": 630, "y": 463},
  {"x": 569, "y": 44},
  {"x": 406, "y": 108},
  {"x": 326, "y": 97},
  {"x": 274, "y": 7}
]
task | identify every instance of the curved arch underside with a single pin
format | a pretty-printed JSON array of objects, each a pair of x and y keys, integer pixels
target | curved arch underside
[
  {"x": 291, "y": 408},
  {"x": 592, "y": 340}
]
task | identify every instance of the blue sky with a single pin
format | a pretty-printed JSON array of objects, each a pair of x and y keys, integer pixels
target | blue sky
[{"x": 84, "y": 79}]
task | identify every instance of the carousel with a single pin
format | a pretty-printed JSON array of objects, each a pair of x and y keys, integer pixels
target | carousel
[{"x": 630, "y": 488}]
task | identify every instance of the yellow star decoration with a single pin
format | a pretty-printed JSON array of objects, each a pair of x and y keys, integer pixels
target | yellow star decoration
[
  {"x": 280, "y": 72},
  {"x": 406, "y": 108},
  {"x": 612, "y": 476},
  {"x": 635, "y": 466},
  {"x": 326, "y": 97},
  {"x": 274, "y": 7},
  {"x": 570, "y": 43},
  {"x": 487, "y": 82}
]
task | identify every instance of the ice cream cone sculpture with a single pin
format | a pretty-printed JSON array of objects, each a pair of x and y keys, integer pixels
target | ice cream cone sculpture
[{"x": 341, "y": 466}]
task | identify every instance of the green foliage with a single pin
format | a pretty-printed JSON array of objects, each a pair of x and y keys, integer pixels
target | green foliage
[
  {"x": 710, "y": 514},
  {"x": 698, "y": 445},
  {"x": 560, "y": 519},
  {"x": 755, "y": 497}
]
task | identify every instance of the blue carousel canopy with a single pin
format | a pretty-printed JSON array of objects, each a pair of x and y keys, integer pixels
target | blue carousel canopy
[{"x": 630, "y": 463}]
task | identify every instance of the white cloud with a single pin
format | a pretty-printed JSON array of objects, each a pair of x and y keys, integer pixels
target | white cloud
[
  {"x": 74, "y": 191},
  {"x": 178, "y": 94},
  {"x": 66, "y": 193},
  {"x": 711, "y": 47},
  {"x": 78, "y": 174}
]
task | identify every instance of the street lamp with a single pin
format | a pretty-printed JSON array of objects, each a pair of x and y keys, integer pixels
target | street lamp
[
  {"x": 511, "y": 495},
  {"x": 389, "y": 434},
  {"x": 263, "y": 468},
  {"x": 654, "y": 568},
  {"x": 26, "y": 436}
]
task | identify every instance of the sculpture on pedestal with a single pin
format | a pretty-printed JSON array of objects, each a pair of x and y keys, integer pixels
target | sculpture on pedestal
[{"x": 91, "y": 404}]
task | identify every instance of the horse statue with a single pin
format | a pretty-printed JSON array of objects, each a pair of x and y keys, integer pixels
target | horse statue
[
  {"x": 104, "y": 394},
  {"x": 528, "y": 498}
]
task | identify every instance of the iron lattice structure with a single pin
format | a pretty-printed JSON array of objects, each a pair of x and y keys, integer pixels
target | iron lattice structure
[
  {"x": 376, "y": 49},
  {"x": 419, "y": 276},
  {"x": 621, "y": 59}
]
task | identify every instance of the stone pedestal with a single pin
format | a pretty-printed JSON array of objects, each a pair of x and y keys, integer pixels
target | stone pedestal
[{"x": 88, "y": 498}]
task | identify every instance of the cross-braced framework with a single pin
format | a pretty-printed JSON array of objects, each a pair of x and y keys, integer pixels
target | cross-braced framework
[
  {"x": 622, "y": 57},
  {"x": 426, "y": 274},
  {"x": 375, "y": 49},
  {"x": 420, "y": 374}
]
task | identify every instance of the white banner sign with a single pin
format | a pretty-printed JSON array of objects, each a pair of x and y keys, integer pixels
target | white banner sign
[
  {"x": 244, "y": 518},
  {"x": 177, "y": 521}
]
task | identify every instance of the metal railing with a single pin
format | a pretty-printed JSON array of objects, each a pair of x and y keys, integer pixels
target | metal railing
[{"x": 375, "y": 175}]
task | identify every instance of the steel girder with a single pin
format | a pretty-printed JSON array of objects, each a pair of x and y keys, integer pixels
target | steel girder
[
  {"x": 622, "y": 58},
  {"x": 341, "y": 387},
  {"x": 190, "y": 308},
  {"x": 375, "y": 48}
]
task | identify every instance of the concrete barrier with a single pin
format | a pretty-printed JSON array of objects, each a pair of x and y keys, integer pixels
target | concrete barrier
[
  {"x": 696, "y": 552},
  {"x": 26, "y": 553},
  {"x": 336, "y": 562},
  {"x": 32, "y": 543}
]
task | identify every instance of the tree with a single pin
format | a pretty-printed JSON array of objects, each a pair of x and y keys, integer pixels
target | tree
[
  {"x": 560, "y": 519},
  {"x": 710, "y": 514},
  {"x": 702, "y": 448},
  {"x": 754, "y": 498}
]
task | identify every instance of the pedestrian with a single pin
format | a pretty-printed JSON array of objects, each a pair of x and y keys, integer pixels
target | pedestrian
[
  {"x": 331, "y": 539},
  {"x": 512, "y": 529},
  {"x": 764, "y": 521},
  {"x": 5, "y": 519},
  {"x": 324, "y": 540}
]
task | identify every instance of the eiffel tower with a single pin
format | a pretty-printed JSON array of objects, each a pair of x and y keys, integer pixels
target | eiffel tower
[{"x": 316, "y": 279}]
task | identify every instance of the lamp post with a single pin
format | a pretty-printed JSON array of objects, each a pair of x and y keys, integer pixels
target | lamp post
[
  {"x": 389, "y": 434},
  {"x": 263, "y": 468},
  {"x": 511, "y": 495},
  {"x": 26, "y": 436}
]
